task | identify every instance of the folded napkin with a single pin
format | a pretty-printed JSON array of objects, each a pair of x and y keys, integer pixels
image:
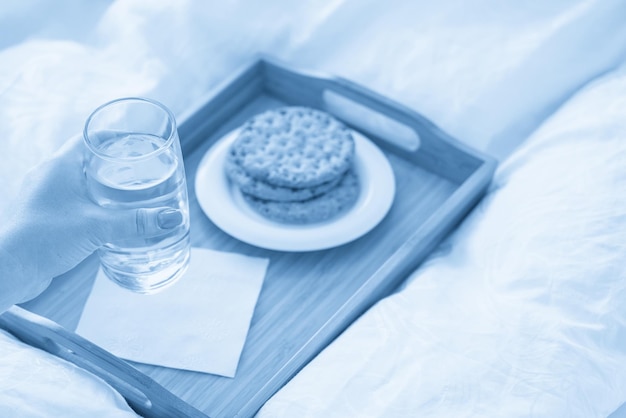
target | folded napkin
[{"x": 200, "y": 323}]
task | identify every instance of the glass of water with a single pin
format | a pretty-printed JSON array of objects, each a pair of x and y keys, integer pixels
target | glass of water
[{"x": 135, "y": 161}]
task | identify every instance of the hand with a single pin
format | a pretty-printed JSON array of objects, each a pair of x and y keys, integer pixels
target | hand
[{"x": 56, "y": 225}]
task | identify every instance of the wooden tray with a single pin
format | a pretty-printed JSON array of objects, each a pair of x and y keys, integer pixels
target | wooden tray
[{"x": 307, "y": 298}]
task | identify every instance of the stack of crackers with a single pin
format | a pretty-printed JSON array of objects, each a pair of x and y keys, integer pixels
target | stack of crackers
[{"x": 294, "y": 165}]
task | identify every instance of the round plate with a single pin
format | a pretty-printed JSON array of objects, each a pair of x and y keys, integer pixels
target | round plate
[{"x": 225, "y": 206}]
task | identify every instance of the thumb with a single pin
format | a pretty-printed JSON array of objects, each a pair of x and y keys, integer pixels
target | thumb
[{"x": 144, "y": 222}]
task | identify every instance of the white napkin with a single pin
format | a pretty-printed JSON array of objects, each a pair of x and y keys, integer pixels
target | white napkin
[{"x": 200, "y": 323}]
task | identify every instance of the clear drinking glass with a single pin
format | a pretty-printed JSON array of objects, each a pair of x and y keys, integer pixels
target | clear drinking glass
[{"x": 135, "y": 161}]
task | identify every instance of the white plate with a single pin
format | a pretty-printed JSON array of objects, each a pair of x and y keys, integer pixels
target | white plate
[{"x": 223, "y": 203}]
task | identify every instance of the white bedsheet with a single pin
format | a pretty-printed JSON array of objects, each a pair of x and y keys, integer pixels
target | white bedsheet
[
  {"x": 521, "y": 313},
  {"x": 485, "y": 71},
  {"x": 37, "y": 384}
]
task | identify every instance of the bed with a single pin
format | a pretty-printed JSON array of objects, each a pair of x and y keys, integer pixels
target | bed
[{"x": 517, "y": 313}]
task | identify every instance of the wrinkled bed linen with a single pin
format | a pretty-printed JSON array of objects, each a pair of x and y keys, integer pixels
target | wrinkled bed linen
[
  {"x": 34, "y": 383},
  {"x": 484, "y": 71},
  {"x": 521, "y": 313}
]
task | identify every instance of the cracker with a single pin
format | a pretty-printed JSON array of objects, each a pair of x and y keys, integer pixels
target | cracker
[
  {"x": 317, "y": 209},
  {"x": 294, "y": 147},
  {"x": 266, "y": 191}
]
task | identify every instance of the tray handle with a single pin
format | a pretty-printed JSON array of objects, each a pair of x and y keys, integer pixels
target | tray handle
[
  {"x": 381, "y": 118},
  {"x": 143, "y": 394},
  {"x": 358, "y": 108}
]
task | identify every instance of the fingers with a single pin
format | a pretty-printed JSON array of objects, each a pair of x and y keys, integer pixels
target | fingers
[
  {"x": 153, "y": 222},
  {"x": 143, "y": 222},
  {"x": 114, "y": 225}
]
